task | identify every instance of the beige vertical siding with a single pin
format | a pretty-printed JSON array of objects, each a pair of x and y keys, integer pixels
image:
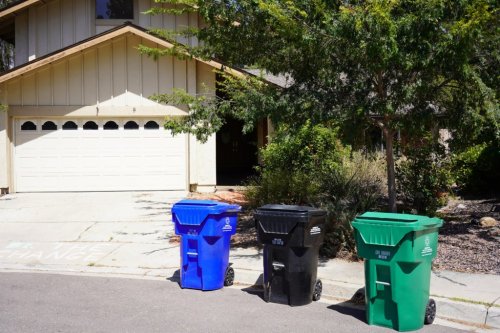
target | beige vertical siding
[
  {"x": 22, "y": 47},
  {"x": 49, "y": 27},
  {"x": 4, "y": 149},
  {"x": 166, "y": 21},
  {"x": 111, "y": 74},
  {"x": 59, "y": 78},
  {"x": 119, "y": 70},
  {"x": 150, "y": 69},
  {"x": 105, "y": 72},
  {"x": 75, "y": 80},
  {"x": 165, "y": 68},
  {"x": 90, "y": 82},
  {"x": 202, "y": 155}
]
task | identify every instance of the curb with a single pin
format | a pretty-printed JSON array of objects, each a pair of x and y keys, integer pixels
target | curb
[
  {"x": 464, "y": 312},
  {"x": 477, "y": 315}
]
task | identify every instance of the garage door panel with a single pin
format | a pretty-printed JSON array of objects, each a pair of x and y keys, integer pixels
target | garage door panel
[{"x": 98, "y": 160}]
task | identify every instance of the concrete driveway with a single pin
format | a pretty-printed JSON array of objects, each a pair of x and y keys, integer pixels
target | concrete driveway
[{"x": 126, "y": 232}]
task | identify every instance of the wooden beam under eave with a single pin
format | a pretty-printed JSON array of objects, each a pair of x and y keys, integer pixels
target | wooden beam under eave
[
  {"x": 14, "y": 9},
  {"x": 37, "y": 63}
]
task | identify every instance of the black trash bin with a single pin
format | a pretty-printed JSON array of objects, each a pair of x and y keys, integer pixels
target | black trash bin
[{"x": 291, "y": 236}]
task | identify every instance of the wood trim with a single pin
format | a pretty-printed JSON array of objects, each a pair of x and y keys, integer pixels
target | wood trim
[
  {"x": 95, "y": 111},
  {"x": 169, "y": 45},
  {"x": 15, "y": 8},
  {"x": 93, "y": 41}
]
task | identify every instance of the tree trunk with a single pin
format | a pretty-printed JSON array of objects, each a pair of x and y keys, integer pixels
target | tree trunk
[{"x": 391, "y": 177}]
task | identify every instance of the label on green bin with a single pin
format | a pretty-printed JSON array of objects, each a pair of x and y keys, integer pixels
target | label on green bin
[
  {"x": 427, "y": 251},
  {"x": 384, "y": 255}
]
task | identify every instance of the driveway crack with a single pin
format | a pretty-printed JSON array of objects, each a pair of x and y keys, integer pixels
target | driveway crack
[
  {"x": 488, "y": 309},
  {"x": 447, "y": 278},
  {"x": 84, "y": 231},
  {"x": 157, "y": 250}
]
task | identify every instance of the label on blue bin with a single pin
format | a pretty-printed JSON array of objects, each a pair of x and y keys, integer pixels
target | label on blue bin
[{"x": 227, "y": 227}]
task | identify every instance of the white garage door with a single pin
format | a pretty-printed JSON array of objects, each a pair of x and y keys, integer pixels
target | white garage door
[{"x": 97, "y": 155}]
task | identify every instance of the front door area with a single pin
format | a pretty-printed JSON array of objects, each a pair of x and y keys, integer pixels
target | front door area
[{"x": 236, "y": 153}]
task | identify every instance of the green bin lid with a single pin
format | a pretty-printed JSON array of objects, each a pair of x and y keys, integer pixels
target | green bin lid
[{"x": 389, "y": 228}]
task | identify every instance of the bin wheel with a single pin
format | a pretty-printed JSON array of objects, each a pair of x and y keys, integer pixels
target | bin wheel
[
  {"x": 229, "y": 277},
  {"x": 430, "y": 312},
  {"x": 318, "y": 288}
]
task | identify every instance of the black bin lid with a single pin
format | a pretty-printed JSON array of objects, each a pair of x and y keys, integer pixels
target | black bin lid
[{"x": 302, "y": 213}]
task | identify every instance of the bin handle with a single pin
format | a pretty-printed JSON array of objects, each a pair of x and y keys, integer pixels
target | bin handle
[
  {"x": 383, "y": 283},
  {"x": 277, "y": 266},
  {"x": 192, "y": 254}
]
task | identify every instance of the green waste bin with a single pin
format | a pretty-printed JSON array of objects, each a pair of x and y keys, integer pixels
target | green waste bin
[{"x": 398, "y": 251}]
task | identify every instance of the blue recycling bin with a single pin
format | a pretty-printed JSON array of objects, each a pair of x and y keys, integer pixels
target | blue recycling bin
[{"x": 205, "y": 228}]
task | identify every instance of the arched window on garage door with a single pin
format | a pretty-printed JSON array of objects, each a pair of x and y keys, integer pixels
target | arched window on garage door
[
  {"x": 49, "y": 126},
  {"x": 131, "y": 125},
  {"x": 151, "y": 125},
  {"x": 90, "y": 125},
  {"x": 70, "y": 125},
  {"x": 110, "y": 125},
  {"x": 28, "y": 126}
]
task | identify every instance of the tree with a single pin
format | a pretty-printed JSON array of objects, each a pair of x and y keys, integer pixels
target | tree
[{"x": 396, "y": 64}]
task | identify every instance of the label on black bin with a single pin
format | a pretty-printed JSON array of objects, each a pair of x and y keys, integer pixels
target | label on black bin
[
  {"x": 278, "y": 241},
  {"x": 315, "y": 230}
]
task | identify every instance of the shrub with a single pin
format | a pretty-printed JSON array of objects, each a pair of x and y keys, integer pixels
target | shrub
[
  {"x": 477, "y": 169},
  {"x": 356, "y": 186},
  {"x": 311, "y": 167},
  {"x": 292, "y": 165},
  {"x": 280, "y": 186},
  {"x": 308, "y": 149},
  {"x": 423, "y": 177}
]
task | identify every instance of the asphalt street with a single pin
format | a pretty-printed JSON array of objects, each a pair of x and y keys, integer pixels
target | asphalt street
[{"x": 32, "y": 302}]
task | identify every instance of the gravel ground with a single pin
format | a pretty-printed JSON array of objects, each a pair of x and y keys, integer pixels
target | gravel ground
[{"x": 464, "y": 245}]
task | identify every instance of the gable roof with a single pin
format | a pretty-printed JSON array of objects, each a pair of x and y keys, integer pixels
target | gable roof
[{"x": 100, "y": 38}]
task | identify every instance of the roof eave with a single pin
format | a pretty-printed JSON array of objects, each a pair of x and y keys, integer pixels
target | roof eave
[
  {"x": 15, "y": 7},
  {"x": 100, "y": 38}
]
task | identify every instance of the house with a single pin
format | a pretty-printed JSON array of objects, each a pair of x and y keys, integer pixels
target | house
[{"x": 77, "y": 114}]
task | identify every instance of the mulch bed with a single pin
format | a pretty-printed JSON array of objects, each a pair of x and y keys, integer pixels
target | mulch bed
[
  {"x": 246, "y": 235},
  {"x": 464, "y": 245}
]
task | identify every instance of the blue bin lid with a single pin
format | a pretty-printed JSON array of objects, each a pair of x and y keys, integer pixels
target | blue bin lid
[{"x": 194, "y": 212}]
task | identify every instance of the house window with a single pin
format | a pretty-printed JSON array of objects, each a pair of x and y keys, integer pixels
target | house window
[
  {"x": 49, "y": 126},
  {"x": 110, "y": 125},
  {"x": 131, "y": 125},
  {"x": 114, "y": 9},
  {"x": 150, "y": 125},
  {"x": 70, "y": 125},
  {"x": 28, "y": 126},
  {"x": 90, "y": 125}
]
